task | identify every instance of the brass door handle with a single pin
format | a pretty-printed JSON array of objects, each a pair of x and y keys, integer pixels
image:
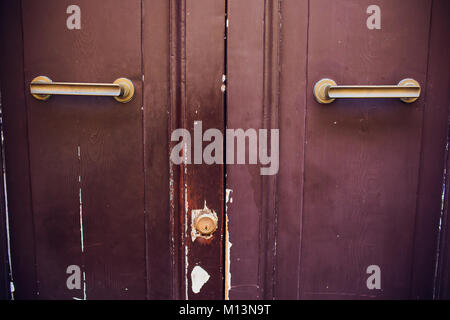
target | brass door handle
[
  {"x": 42, "y": 88},
  {"x": 326, "y": 91}
]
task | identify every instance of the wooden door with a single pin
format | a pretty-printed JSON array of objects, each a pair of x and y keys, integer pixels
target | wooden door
[
  {"x": 360, "y": 180},
  {"x": 90, "y": 184}
]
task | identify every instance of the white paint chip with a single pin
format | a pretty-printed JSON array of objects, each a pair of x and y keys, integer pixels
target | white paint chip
[
  {"x": 228, "y": 244},
  {"x": 198, "y": 278}
]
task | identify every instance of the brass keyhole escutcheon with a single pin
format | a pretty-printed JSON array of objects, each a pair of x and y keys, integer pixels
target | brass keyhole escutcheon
[{"x": 205, "y": 224}]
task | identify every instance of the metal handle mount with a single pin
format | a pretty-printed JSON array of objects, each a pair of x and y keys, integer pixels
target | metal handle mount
[
  {"x": 326, "y": 91},
  {"x": 42, "y": 88}
]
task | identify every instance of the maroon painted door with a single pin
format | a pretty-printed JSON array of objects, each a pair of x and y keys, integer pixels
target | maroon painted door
[
  {"x": 353, "y": 212},
  {"x": 351, "y": 209},
  {"x": 92, "y": 192}
]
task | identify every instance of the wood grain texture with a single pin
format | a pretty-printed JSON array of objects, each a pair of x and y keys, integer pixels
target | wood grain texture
[
  {"x": 15, "y": 122},
  {"x": 87, "y": 145}
]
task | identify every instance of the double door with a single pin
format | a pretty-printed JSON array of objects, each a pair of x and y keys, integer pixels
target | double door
[{"x": 350, "y": 208}]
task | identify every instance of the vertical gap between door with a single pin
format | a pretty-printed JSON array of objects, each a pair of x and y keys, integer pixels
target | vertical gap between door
[{"x": 225, "y": 253}]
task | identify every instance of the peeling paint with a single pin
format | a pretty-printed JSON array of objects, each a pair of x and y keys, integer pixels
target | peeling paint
[
  {"x": 186, "y": 270},
  {"x": 198, "y": 278},
  {"x": 186, "y": 249},
  {"x": 81, "y": 223},
  {"x": 228, "y": 244},
  {"x": 228, "y": 198}
]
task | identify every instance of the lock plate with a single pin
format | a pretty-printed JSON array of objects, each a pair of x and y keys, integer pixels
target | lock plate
[{"x": 204, "y": 223}]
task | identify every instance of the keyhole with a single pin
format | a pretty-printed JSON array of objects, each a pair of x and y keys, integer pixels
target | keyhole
[{"x": 205, "y": 224}]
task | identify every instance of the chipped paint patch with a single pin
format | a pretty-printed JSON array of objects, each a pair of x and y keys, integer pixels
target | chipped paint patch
[
  {"x": 81, "y": 222},
  {"x": 196, "y": 213},
  {"x": 228, "y": 244},
  {"x": 198, "y": 278}
]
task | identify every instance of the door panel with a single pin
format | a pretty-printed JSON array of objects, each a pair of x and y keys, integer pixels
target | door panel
[
  {"x": 260, "y": 97},
  {"x": 350, "y": 192},
  {"x": 86, "y": 152},
  {"x": 5, "y": 275},
  {"x": 362, "y": 157}
]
